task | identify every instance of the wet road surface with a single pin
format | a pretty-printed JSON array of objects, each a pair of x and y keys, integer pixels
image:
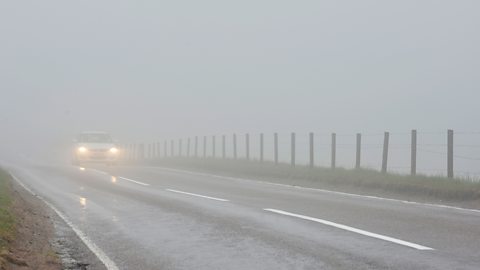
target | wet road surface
[{"x": 160, "y": 218}]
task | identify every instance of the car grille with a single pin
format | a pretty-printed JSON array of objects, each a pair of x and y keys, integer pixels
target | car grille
[{"x": 99, "y": 150}]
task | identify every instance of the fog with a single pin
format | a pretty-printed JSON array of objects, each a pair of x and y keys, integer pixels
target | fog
[{"x": 149, "y": 70}]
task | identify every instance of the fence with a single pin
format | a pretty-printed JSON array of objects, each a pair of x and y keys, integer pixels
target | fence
[{"x": 373, "y": 151}]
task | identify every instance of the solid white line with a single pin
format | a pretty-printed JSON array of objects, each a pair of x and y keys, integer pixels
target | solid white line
[
  {"x": 134, "y": 181},
  {"x": 197, "y": 195},
  {"x": 351, "y": 229},
  {"x": 323, "y": 190},
  {"x": 109, "y": 264}
]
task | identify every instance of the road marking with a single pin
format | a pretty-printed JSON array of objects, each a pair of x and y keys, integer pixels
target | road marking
[
  {"x": 98, "y": 171},
  {"x": 123, "y": 178},
  {"x": 197, "y": 195},
  {"x": 134, "y": 181},
  {"x": 351, "y": 229},
  {"x": 321, "y": 190},
  {"x": 109, "y": 264}
]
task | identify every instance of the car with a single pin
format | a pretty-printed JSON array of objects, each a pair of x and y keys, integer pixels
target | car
[{"x": 95, "y": 147}]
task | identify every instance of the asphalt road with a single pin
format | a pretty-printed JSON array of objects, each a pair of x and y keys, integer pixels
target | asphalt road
[{"x": 158, "y": 218}]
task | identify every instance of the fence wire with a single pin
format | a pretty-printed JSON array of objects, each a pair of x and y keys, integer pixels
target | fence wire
[{"x": 432, "y": 151}]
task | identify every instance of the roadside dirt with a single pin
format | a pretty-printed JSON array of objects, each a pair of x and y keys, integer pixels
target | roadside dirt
[{"x": 31, "y": 248}]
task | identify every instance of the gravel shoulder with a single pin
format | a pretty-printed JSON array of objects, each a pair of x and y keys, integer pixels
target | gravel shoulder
[{"x": 39, "y": 238}]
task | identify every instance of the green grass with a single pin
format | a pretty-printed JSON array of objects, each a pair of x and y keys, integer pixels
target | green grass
[
  {"x": 7, "y": 221},
  {"x": 363, "y": 181}
]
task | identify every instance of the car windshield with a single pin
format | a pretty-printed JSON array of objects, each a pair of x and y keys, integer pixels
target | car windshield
[{"x": 94, "y": 138}]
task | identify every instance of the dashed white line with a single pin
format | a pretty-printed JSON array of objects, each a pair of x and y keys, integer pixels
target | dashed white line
[
  {"x": 98, "y": 171},
  {"x": 123, "y": 178},
  {"x": 197, "y": 195},
  {"x": 351, "y": 229},
  {"x": 134, "y": 181},
  {"x": 109, "y": 264}
]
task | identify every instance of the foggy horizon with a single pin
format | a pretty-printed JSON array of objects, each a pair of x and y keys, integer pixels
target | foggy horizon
[{"x": 149, "y": 71}]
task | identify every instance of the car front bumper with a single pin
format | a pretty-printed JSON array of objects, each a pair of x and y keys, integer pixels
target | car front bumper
[{"x": 93, "y": 157}]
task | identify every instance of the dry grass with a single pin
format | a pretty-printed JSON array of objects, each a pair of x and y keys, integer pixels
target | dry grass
[{"x": 7, "y": 221}]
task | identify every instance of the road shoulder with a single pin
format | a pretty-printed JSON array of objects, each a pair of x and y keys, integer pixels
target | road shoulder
[{"x": 39, "y": 238}]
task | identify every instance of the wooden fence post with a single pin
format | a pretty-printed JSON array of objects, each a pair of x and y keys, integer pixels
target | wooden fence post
[
  {"x": 142, "y": 152},
  {"x": 261, "y": 147},
  {"x": 247, "y": 146},
  {"x": 188, "y": 147},
  {"x": 172, "y": 148},
  {"x": 149, "y": 150},
  {"x": 293, "y": 149},
  {"x": 224, "y": 151},
  {"x": 180, "y": 145},
  {"x": 312, "y": 150},
  {"x": 204, "y": 146},
  {"x": 275, "y": 147},
  {"x": 413, "y": 160},
  {"x": 235, "y": 146},
  {"x": 213, "y": 146},
  {"x": 450, "y": 154},
  {"x": 359, "y": 149},
  {"x": 165, "y": 148},
  {"x": 334, "y": 151},
  {"x": 136, "y": 151},
  {"x": 196, "y": 146},
  {"x": 385, "y": 152}
]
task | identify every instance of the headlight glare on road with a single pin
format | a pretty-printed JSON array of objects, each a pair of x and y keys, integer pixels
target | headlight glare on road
[
  {"x": 113, "y": 150},
  {"x": 82, "y": 149}
]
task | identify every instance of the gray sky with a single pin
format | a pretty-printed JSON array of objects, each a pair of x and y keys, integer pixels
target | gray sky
[{"x": 148, "y": 69}]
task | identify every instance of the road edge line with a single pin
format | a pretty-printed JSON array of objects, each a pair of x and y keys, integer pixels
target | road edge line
[{"x": 107, "y": 262}]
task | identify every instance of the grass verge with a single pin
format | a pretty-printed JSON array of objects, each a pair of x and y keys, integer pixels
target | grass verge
[
  {"x": 421, "y": 188},
  {"x": 7, "y": 221}
]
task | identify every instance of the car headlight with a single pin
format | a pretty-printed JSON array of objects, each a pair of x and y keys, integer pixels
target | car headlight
[
  {"x": 82, "y": 149},
  {"x": 113, "y": 150}
]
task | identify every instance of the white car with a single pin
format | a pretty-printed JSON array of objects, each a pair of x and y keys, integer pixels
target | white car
[{"x": 95, "y": 147}]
